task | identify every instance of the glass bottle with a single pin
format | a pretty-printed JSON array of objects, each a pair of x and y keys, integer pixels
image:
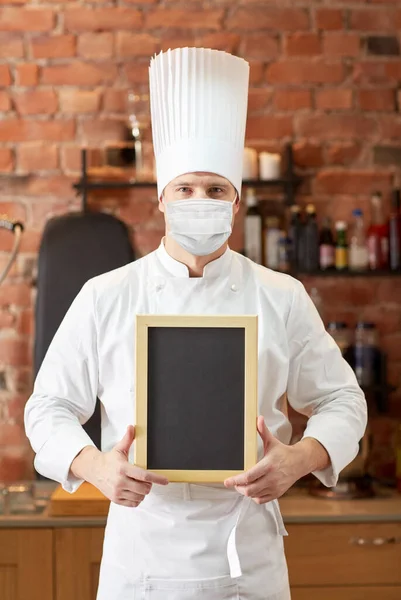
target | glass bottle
[
  {"x": 341, "y": 246},
  {"x": 309, "y": 242},
  {"x": 294, "y": 233},
  {"x": 272, "y": 237},
  {"x": 253, "y": 227},
  {"x": 341, "y": 335},
  {"x": 395, "y": 232},
  {"x": 378, "y": 235},
  {"x": 365, "y": 352},
  {"x": 326, "y": 245},
  {"x": 358, "y": 249}
]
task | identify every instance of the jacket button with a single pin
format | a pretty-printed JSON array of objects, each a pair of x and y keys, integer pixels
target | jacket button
[{"x": 234, "y": 288}]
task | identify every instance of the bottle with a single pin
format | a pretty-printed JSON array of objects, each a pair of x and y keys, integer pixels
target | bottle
[
  {"x": 377, "y": 235},
  {"x": 341, "y": 260},
  {"x": 272, "y": 237},
  {"x": 358, "y": 250},
  {"x": 253, "y": 228},
  {"x": 395, "y": 232},
  {"x": 341, "y": 335},
  {"x": 398, "y": 458},
  {"x": 365, "y": 351},
  {"x": 294, "y": 233},
  {"x": 283, "y": 262},
  {"x": 326, "y": 246},
  {"x": 309, "y": 242}
]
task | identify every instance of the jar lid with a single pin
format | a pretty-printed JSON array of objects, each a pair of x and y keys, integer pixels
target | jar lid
[
  {"x": 365, "y": 325},
  {"x": 337, "y": 325}
]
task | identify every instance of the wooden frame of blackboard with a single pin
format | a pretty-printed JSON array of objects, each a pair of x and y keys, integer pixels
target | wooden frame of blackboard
[{"x": 249, "y": 324}]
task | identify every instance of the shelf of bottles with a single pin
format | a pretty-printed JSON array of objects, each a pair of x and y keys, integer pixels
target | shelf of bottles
[{"x": 294, "y": 243}]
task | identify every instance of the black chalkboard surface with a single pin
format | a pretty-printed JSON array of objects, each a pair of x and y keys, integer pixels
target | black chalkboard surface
[{"x": 196, "y": 396}]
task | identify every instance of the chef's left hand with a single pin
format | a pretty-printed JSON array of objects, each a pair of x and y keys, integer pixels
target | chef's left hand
[{"x": 280, "y": 468}]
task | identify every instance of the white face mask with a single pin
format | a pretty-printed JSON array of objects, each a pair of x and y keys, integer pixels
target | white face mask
[{"x": 200, "y": 226}]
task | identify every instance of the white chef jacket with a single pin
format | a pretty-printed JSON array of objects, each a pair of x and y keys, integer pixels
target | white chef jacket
[{"x": 191, "y": 541}]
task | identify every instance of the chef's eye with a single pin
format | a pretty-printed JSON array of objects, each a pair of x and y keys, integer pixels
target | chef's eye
[
  {"x": 183, "y": 190},
  {"x": 215, "y": 191}
]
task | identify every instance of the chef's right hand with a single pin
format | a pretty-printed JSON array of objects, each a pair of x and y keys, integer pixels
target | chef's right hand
[{"x": 119, "y": 480}]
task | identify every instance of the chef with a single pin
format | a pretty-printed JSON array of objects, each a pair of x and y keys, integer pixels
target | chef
[{"x": 172, "y": 541}]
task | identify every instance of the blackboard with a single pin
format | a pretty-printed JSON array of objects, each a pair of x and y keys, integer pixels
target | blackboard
[{"x": 196, "y": 395}]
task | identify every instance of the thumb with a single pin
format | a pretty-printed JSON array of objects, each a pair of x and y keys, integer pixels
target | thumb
[
  {"x": 266, "y": 435},
  {"x": 126, "y": 442}
]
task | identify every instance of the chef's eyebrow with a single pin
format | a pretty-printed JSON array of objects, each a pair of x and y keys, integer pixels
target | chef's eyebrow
[{"x": 210, "y": 184}]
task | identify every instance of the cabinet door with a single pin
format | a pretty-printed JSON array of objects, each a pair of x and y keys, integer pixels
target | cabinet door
[
  {"x": 78, "y": 555},
  {"x": 360, "y": 554},
  {"x": 346, "y": 593},
  {"x": 26, "y": 564}
]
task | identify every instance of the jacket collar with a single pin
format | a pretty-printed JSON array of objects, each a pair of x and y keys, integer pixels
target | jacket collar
[{"x": 217, "y": 268}]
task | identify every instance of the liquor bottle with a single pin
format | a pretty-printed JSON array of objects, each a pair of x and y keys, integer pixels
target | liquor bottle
[
  {"x": 395, "y": 232},
  {"x": 309, "y": 242},
  {"x": 326, "y": 246},
  {"x": 253, "y": 228},
  {"x": 272, "y": 240},
  {"x": 358, "y": 250},
  {"x": 341, "y": 261},
  {"x": 293, "y": 240},
  {"x": 378, "y": 235}
]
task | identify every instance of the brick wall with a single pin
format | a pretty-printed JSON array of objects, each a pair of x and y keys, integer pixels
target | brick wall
[{"x": 324, "y": 75}]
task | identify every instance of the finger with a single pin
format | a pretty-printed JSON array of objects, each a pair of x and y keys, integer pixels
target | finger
[
  {"x": 136, "y": 487},
  {"x": 248, "y": 477},
  {"x": 260, "y": 488},
  {"x": 267, "y": 437},
  {"x": 128, "y": 503},
  {"x": 125, "y": 443},
  {"x": 130, "y": 496},
  {"x": 140, "y": 474},
  {"x": 264, "y": 499}
]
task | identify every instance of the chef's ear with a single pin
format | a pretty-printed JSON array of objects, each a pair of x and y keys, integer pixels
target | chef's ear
[
  {"x": 161, "y": 202},
  {"x": 237, "y": 203}
]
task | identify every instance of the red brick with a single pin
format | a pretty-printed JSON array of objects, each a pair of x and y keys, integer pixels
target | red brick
[
  {"x": 220, "y": 40},
  {"x": 393, "y": 70},
  {"x": 336, "y": 126},
  {"x": 15, "y": 210},
  {"x": 260, "y": 45},
  {"x": 344, "y": 153},
  {"x": 79, "y": 73},
  {"x": 79, "y": 101},
  {"x": 58, "y": 186},
  {"x": 399, "y": 100},
  {"x": 377, "y": 99},
  {"x": 390, "y": 127},
  {"x": 136, "y": 44},
  {"x": 303, "y": 44},
  {"x": 387, "y": 317},
  {"x": 372, "y": 19},
  {"x": 307, "y": 154},
  {"x": 334, "y": 99},
  {"x": 292, "y": 99},
  {"x": 383, "y": 72},
  {"x": 11, "y": 46},
  {"x": 5, "y": 76},
  {"x": 269, "y": 17},
  {"x": 389, "y": 290},
  {"x": 18, "y": 130},
  {"x": 26, "y": 322},
  {"x": 329, "y": 18},
  {"x": 305, "y": 71},
  {"x": 256, "y": 72},
  {"x": 7, "y": 320},
  {"x": 12, "y": 434},
  {"x": 100, "y": 130},
  {"x": 102, "y": 19},
  {"x": 341, "y": 44},
  {"x": 351, "y": 182},
  {"x": 391, "y": 344},
  {"x": 36, "y": 102},
  {"x": 96, "y": 45},
  {"x": 26, "y": 19},
  {"x": 6, "y": 161},
  {"x": 54, "y": 46},
  {"x": 137, "y": 72},
  {"x": 5, "y": 101},
  {"x": 26, "y": 74},
  {"x": 37, "y": 156},
  {"x": 41, "y": 209},
  {"x": 178, "y": 40},
  {"x": 15, "y": 294},
  {"x": 15, "y": 468},
  {"x": 258, "y": 99},
  {"x": 184, "y": 19},
  {"x": 115, "y": 100},
  {"x": 269, "y": 127}
]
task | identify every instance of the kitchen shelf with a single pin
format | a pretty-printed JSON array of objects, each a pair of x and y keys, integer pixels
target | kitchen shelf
[
  {"x": 334, "y": 273},
  {"x": 289, "y": 182}
]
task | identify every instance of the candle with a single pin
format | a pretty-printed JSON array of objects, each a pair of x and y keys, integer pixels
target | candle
[
  {"x": 250, "y": 165},
  {"x": 269, "y": 165}
]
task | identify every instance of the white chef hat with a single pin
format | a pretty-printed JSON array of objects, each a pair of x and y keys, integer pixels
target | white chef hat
[{"x": 198, "y": 100}]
